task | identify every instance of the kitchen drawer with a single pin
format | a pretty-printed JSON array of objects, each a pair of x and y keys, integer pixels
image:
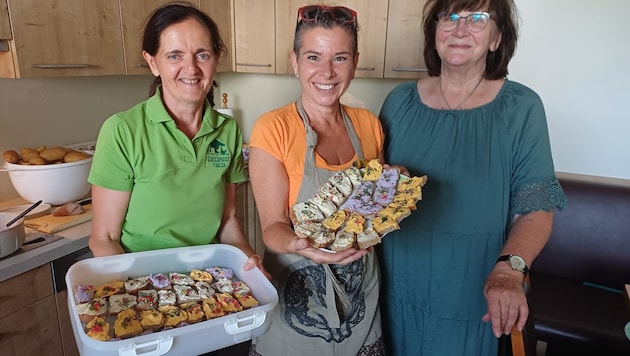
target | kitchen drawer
[{"x": 25, "y": 289}]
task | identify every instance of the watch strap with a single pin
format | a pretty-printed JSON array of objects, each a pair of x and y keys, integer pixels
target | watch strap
[{"x": 507, "y": 259}]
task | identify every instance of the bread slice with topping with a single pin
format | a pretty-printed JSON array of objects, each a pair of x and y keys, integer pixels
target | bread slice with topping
[
  {"x": 322, "y": 238},
  {"x": 306, "y": 229},
  {"x": 343, "y": 241},
  {"x": 305, "y": 211},
  {"x": 368, "y": 238},
  {"x": 336, "y": 220},
  {"x": 324, "y": 203},
  {"x": 98, "y": 329},
  {"x": 373, "y": 170},
  {"x": 127, "y": 324},
  {"x": 151, "y": 320},
  {"x": 342, "y": 182},
  {"x": 384, "y": 225}
]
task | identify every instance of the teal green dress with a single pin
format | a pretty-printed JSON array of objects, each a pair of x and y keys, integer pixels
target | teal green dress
[{"x": 484, "y": 165}]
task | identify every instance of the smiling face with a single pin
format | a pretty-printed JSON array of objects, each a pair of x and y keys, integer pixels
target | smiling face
[
  {"x": 325, "y": 65},
  {"x": 460, "y": 47},
  {"x": 185, "y": 63}
]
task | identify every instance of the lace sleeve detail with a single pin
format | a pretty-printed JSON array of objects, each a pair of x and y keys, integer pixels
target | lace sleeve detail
[{"x": 546, "y": 195}]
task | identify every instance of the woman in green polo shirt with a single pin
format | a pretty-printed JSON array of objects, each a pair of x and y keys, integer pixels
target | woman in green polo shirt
[{"x": 165, "y": 171}]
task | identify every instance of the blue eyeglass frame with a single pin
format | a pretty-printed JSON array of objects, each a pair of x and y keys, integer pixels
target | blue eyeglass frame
[{"x": 471, "y": 16}]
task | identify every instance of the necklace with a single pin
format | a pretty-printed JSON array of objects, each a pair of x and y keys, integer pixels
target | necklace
[{"x": 463, "y": 101}]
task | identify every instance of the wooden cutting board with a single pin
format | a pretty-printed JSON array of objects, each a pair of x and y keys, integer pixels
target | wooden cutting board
[{"x": 51, "y": 224}]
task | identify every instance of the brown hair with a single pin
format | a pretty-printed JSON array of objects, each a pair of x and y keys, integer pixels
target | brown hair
[
  {"x": 502, "y": 12},
  {"x": 173, "y": 13},
  {"x": 326, "y": 18}
]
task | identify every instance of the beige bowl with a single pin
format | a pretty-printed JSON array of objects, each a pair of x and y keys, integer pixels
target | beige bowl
[
  {"x": 55, "y": 184},
  {"x": 12, "y": 238}
]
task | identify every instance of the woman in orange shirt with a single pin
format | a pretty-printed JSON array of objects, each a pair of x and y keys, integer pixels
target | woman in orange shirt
[{"x": 328, "y": 301}]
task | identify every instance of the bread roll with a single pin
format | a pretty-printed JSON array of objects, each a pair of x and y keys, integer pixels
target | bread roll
[
  {"x": 53, "y": 154},
  {"x": 69, "y": 209},
  {"x": 11, "y": 156}
]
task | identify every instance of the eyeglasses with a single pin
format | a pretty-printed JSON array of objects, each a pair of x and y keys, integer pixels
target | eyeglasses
[
  {"x": 475, "y": 22},
  {"x": 341, "y": 14}
]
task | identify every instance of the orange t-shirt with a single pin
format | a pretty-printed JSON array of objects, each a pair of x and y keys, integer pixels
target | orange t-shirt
[{"x": 281, "y": 133}]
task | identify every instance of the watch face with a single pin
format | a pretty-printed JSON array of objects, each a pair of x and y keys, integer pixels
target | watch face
[{"x": 517, "y": 263}]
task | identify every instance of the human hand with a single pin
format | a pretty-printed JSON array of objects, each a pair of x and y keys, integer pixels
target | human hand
[
  {"x": 507, "y": 303},
  {"x": 303, "y": 248},
  {"x": 401, "y": 169},
  {"x": 256, "y": 261}
]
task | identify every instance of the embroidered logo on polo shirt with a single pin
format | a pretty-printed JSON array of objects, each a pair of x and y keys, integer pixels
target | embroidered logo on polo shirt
[{"x": 218, "y": 154}]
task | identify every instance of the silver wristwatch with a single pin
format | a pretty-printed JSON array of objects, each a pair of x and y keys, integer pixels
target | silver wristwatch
[{"x": 516, "y": 262}]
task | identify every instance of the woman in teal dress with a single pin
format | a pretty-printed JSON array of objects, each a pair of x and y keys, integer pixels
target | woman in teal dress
[{"x": 453, "y": 273}]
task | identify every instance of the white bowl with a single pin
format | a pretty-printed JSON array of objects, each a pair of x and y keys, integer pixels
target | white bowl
[
  {"x": 12, "y": 238},
  {"x": 55, "y": 184}
]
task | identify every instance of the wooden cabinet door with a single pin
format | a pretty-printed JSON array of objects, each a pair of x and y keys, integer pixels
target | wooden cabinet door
[
  {"x": 372, "y": 18},
  {"x": 5, "y": 25},
  {"x": 286, "y": 19},
  {"x": 32, "y": 331},
  {"x": 65, "y": 325},
  {"x": 134, "y": 15},
  {"x": 405, "y": 40},
  {"x": 254, "y": 36},
  {"x": 25, "y": 289},
  {"x": 28, "y": 318},
  {"x": 221, "y": 12},
  {"x": 248, "y": 217},
  {"x": 67, "y": 38}
]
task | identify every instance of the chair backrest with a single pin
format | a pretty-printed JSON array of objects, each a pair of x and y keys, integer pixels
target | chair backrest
[{"x": 590, "y": 241}]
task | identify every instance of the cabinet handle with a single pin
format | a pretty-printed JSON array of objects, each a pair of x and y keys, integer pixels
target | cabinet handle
[
  {"x": 369, "y": 69},
  {"x": 141, "y": 65},
  {"x": 253, "y": 65},
  {"x": 61, "y": 66},
  {"x": 398, "y": 69}
]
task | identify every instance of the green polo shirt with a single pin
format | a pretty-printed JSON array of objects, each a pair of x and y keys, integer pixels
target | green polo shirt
[{"x": 177, "y": 185}]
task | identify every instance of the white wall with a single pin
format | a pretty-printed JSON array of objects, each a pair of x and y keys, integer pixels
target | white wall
[{"x": 576, "y": 55}]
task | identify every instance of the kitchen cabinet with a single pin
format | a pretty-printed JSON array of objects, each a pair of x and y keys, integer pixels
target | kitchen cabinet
[
  {"x": 28, "y": 320},
  {"x": 254, "y": 36},
  {"x": 248, "y": 216},
  {"x": 65, "y": 38},
  {"x": 5, "y": 25},
  {"x": 405, "y": 40},
  {"x": 221, "y": 13},
  {"x": 372, "y": 19},
  {"x": 134, "y": 15},
  {"x": 65, "y": 325}
]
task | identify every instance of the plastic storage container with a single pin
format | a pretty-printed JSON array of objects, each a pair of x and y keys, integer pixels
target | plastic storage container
[{"x": 192, "y": 339}]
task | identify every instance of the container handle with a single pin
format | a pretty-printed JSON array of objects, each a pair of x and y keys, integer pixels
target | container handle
[
  {"x": 160, "y": 347},
  {"x": 245, "y": 324}
]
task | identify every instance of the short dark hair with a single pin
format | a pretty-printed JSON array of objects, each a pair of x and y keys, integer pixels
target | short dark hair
[
  {"x": 173, "y": 13},
  {"x": 502, "y": 12},
  {"x": 326, "y": 19}
]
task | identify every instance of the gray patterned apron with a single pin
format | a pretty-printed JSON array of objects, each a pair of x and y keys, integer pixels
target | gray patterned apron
[{"x": 323, "y": 309}]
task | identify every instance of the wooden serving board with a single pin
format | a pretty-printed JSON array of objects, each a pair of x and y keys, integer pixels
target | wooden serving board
[{"x": 51, "y": 224}]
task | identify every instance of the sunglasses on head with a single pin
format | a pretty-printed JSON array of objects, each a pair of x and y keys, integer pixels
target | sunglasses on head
[{"x": 342, "y": 14}]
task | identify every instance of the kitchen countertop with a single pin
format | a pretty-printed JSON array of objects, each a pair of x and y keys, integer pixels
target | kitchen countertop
[{"x": 74, "y": 239}]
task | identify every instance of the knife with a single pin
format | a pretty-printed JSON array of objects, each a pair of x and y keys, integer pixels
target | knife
[{"x": 85, "y": 201}]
